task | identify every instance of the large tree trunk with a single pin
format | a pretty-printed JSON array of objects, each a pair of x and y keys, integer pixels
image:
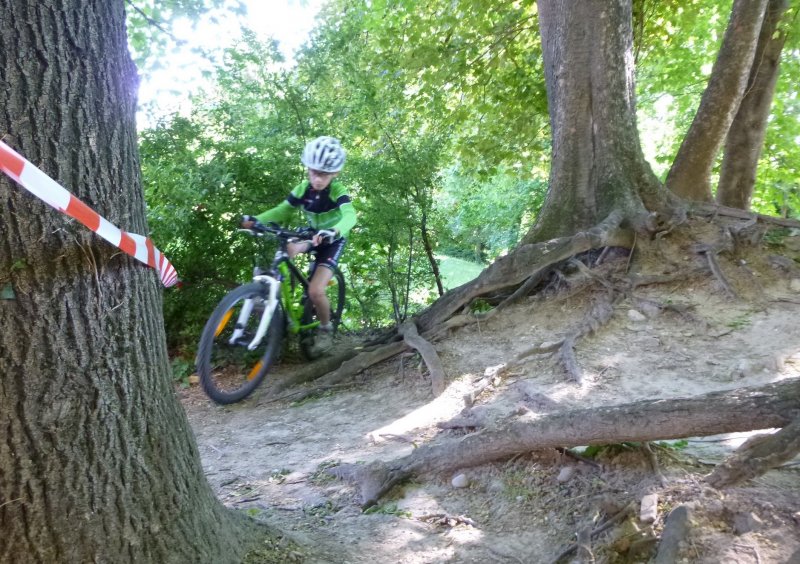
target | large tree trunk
[
  {"x": 744, "y": 409},
  {"x": 97, "y": 460},
  {"x": 597, "y": 164},
  {"x": 746, "y": 136},
  {"x": 690, "y": 174}
]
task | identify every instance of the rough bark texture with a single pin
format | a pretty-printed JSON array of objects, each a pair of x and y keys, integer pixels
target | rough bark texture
[
  {"x": 525, "y": 261},
  {"x": 690, "y": 173},
  {"x": 773, "y": 405},
  {"x": 756, "y": 456},
  {"x": 746, "y": 136},
  {"x": 97, "y": 461},
  {"x": 597, "y": 163}
]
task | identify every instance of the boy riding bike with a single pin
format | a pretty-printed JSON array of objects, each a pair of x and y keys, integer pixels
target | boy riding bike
[{"x": 328, "y": 209}]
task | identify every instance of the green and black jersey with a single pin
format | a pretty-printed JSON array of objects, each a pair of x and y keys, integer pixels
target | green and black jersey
[{"x": 325, "y": 209}]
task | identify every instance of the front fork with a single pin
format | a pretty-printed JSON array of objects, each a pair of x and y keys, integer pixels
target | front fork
[{"x": 247, "y": 308}]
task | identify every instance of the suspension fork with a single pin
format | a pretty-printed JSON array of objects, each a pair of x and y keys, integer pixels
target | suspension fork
[{"x": 266, "y": 317}]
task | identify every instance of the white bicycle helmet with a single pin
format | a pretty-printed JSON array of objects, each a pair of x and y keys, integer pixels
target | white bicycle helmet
[{"x": 324, "y": 154}]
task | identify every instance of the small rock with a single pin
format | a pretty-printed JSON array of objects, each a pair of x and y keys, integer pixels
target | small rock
[
  {"x": 794, "y": 285},
  {"x": 194, "y": 379},
  {"x": 649, "y": 508},
  {"x": 460, "y": 481},
  {"x": 747, "y": 522},
  {"x": 566, "y": 473},
  {"x": 636, "y": 316},
  {"x": 650, "y": 309}
]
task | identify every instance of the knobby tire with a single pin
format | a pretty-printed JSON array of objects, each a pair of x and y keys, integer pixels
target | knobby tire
[{"x": 217, "y": 361}]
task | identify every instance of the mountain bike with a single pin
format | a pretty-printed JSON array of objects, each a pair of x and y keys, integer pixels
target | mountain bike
[{"x": 244, "y": 335}]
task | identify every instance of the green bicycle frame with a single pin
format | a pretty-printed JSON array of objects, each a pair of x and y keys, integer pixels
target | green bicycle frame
[{"x": 292, "y": 300}]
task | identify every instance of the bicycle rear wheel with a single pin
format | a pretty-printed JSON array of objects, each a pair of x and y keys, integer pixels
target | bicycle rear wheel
[
  {"x": 336, "y": 296},
  {"x": 228, "y": 370}
]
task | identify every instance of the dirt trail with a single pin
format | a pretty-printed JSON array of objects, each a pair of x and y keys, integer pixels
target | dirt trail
[{"x": 266, "y": 457}]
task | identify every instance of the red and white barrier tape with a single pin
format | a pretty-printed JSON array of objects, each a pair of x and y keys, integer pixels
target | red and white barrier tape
[{"x": 40, "y": 185}]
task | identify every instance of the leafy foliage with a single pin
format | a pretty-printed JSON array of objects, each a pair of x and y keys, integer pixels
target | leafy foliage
[{"x": 443, "y": 109}]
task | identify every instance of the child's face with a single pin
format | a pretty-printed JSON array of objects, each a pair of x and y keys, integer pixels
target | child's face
[{"x": 320, "y": 180}]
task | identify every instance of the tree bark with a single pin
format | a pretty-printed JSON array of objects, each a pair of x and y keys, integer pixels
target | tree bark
[
  {"x": 690, "y": 174},
  {"x": 523, "y": 262},
  {"x": 744, "y": 409},
  {"x": 97, "y": 460},
  {"x": 745, "y": 139},
  {"x": 756, "y": 456},
  {"x": 597, "y": 164}
]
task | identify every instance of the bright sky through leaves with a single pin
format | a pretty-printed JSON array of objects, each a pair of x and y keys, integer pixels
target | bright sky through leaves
[{"x": 181, "y": 72}]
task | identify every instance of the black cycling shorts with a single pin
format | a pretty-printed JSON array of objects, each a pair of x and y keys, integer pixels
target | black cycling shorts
[{"x": 328, "y": 253}]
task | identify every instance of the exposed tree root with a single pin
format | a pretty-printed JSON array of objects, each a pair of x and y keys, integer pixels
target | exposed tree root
[
  {"x": 638, "y": 280},
  {"x": 600, "y": 314},
  {"x": 513, "y": 269},
  {"x": 713, "y": 265},
  {"x": 409, "y": 332},
  {"x": 314, "y": 370},
  {"x": 353, "y": 366},
  {"x": 756, "y": 456},
  {"x": 773, "y": 405},
  {"x": 712, "y": 210},
  {"x": 676, "y": 531},
  {"x": 651, "y": 457}
]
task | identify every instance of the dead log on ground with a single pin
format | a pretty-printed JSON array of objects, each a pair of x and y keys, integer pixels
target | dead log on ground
[
  {"x": 744, "y": 409},
  {"x": 757, "y": 455}
]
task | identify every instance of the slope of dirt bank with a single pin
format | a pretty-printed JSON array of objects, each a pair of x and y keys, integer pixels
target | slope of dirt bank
[{"x": 267, "y": 457}]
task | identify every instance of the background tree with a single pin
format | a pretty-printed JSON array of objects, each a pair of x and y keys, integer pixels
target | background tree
[
  {"x": 690, "y": 174},
  {"x": 745, "y": 139},
  {"x": 97, "y": 461}
]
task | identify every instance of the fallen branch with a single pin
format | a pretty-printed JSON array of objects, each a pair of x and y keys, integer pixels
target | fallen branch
[
  {"x": 757, "y": 455},
  {"x": 744, "y": 409}
]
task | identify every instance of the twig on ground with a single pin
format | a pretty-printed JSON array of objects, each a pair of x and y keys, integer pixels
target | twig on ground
[
  {"x": 579, "y": 458},
  {"x": 607, "y": 524},
  {"x": 750, "y": 547},
  {"x": 651, "y": 457}
]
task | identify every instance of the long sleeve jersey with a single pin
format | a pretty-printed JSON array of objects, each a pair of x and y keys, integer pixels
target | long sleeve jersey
[{"x": 325, "y": 209}]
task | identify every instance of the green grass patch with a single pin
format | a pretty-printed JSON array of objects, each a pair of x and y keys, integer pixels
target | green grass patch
[{"x": 456, "y": 272}]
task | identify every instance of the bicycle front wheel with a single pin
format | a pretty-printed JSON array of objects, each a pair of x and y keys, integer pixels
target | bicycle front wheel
[
  {"x": 336, "y": 297},
  {"x": 229, "y": 371}
]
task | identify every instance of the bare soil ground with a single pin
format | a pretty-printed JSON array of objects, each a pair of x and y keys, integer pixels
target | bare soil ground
[{"x": 267, "y": 458}]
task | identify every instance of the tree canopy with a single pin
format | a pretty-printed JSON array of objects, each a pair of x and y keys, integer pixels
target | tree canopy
[{"x": 443, "y": 109}]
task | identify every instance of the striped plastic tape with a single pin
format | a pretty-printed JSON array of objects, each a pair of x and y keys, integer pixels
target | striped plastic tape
[{"x": 42, "y": 186}]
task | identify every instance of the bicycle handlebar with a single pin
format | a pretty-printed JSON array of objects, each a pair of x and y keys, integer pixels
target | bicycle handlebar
[{"x": 259, "y": 229}]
